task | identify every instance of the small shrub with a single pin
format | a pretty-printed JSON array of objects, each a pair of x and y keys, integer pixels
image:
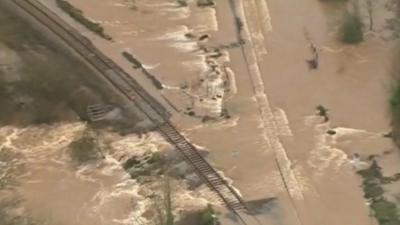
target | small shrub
[
  {"x": 386, "y": 212},
  {"x": 373, "y": 172},
  {"x": 208, "y": 216},
  {"x": 131, "y": 162},
  {"x": 204, "y": 3},
  {"x": 156, "y": 158},
  {"x": 373, "y": 191},
  {"x": 395, "y": 98},
  {"x": 77, "y": 15},
  {"x": 182, "y": 3},
  {"x": 351, "y": 31},
  {"x": 322, "y": 111},
  {"x": 84, "y": 149}
]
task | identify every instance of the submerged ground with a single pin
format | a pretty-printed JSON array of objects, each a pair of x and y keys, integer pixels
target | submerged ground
[
  {"x": 295, "y": 136},
  {"x": 57, "y": 167}
]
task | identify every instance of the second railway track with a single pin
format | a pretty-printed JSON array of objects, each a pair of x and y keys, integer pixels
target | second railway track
[{"x": 149, "y": 106}]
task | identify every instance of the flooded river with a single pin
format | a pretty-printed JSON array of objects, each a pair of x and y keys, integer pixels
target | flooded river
[
  {"x": 57, "y": 169},
  {"x": 54, "y": 189},
  {"x": 274, "y": 145}
]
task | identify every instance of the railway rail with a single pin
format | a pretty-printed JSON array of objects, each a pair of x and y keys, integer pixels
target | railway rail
[{"x": 134, "y": 92}]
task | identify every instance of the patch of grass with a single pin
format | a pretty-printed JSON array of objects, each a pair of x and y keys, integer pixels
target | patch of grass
[
  {"x": 77, "y": 15},
  {"x": 352, "y": 29}
]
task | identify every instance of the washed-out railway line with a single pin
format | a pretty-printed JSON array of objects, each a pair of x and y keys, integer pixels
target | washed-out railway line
[{"x": 133, "y": 91}]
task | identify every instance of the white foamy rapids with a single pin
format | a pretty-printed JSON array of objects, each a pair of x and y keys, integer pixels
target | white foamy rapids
[
  {"x": 133, "y": 145},
  {"x": 197, "y": 65},
  {"x": 186, "y": 46},
  {"x": 178, "y": 39},
  {"x": 205, "y": 195},
  {"x": 332, "y": 50},
  {"x": 178, "y": 34},
  {"x": 84, "y": 173},
  {"x": 111, "y": 164},
  {"x": 188, "y": 200},
  {"x": 149, "y": 67},
  {"x": 233, "y": 122},
  {"x": 161, "y": 5},
  {"x": 113, "y": 23},
  {"x": 264, "y": 15},
  {"x": 8, "y": 134},
  {"x": 343, "y": 134},
  {"x": 225, "y": 57},
  {"x": 135, "y": 217},
  {"x": 282, "y": 122},
  {"x": 232, "y": 82},
  {"x": 146, "y": 65},
  {"x": 323, "y": 157},
  {"x": 177, "y": 13},
  {"x": 133, "y": 33},
  {"x": 126, "y": 189},
  {"x": 122, "y": 4},
  {"x": 175, "y": 88},
  {"x": 230, "y": 182},
  {"x": 39, "y": 143},
  {"x": 206, "y": 21}
]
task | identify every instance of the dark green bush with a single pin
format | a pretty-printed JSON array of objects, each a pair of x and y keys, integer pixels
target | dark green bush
[
  {"x": 182, "y": 3},
  {"x": 386, "y": 212},
  {"x": 208, "y": 216},
  {"x": 84, "y": 149},
  {"x": 77, "y": 15},
  {"x": 204, "y": 3},
  {"x": 352, "y": 29}
]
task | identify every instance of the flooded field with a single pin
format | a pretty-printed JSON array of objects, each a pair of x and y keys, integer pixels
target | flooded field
[
  {"x": 296, "y": 118},
  {"x": 56, "y": 167}
]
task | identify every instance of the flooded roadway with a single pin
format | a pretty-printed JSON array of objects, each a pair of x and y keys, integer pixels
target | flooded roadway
[{"x": 352, "y": 82}]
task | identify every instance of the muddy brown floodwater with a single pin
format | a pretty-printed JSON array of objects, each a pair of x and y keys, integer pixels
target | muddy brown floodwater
[
  {"x": 45, "y": 176},
  {"x": 275, "y": 147}
]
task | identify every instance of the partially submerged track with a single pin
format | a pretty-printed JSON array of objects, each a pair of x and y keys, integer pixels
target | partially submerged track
[{"x": 149, "y": 106}]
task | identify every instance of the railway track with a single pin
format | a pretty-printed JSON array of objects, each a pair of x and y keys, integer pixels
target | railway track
[{"x": 132, "y": 90}]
